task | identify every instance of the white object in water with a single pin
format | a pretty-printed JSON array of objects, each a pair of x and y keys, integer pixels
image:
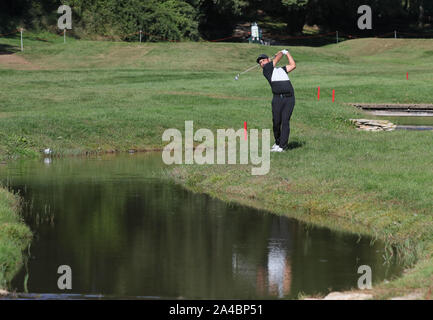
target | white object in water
[{"x": 48, "y": 151}]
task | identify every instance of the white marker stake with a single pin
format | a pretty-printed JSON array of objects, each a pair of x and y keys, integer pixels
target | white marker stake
[{"x": 22, "y": 48}]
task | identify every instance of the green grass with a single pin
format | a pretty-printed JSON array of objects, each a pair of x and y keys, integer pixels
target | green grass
[{"x": 87, "y": 96}]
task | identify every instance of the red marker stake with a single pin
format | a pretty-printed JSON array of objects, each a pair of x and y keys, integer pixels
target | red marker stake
[
  {"x": 245, "y": 129},
  {"x": 333, "y": 95},
  {"x": 407, "y": 75},
  {"x": 318, "y": 93}
]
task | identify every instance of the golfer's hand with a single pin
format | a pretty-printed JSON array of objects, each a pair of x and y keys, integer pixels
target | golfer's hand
[{"x": 284, "y": 52}]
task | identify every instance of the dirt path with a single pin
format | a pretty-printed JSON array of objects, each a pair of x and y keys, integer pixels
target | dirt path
[{"x": 14, "y": 61}]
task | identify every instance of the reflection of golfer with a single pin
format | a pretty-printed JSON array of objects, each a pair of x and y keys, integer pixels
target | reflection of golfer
[{"x": 283, "y": 101}]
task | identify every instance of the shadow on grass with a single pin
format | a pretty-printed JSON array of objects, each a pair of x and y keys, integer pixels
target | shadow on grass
[
  {"x": 8, "y": 49},
  {"x": 296, "y": 144},
  {"x": 43, "y": 40}
]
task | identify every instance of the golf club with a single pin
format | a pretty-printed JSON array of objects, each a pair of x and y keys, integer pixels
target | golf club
[{"x": 251, "y": 68}]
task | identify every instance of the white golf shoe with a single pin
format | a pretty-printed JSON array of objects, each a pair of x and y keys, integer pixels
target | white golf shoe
[{"x": 276, "y": 148}]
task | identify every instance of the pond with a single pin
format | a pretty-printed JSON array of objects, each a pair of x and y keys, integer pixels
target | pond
[
  {"x": 406, "y": 117},
  {"x": 125, "y": 232}
]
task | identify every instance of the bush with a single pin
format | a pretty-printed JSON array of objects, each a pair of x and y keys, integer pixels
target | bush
[{"x": 122, "y": 19}]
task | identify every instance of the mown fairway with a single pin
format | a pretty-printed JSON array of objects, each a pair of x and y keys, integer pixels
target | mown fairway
[{"x": 97, "y": 96}]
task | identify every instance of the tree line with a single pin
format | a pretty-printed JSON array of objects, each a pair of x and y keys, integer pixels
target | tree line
[{"x": 210, "y": 19}]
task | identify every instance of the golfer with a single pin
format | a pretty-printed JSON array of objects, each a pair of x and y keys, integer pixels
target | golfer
[{"x": 283, "y": 101}]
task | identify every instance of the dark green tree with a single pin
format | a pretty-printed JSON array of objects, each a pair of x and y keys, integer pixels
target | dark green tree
[
  {"x": 217, "y": 18},
  {"x": 296, "y": 15},
  {"x": 159, "y": 20}
]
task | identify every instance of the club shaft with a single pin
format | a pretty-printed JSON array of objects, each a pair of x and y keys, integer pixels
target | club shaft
[{"x": 255, "y": 66}]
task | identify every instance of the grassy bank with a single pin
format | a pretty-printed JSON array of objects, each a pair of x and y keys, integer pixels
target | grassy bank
[
  {"x": 15, "y": 236},
  {"x": 98, "y": 96}
]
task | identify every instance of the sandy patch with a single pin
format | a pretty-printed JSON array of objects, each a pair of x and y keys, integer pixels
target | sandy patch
[
  {"x": 4, "y": 115},
  {"x": 345, "y": 296},
  {"x": 3, "y": 292},
  {"x": 14, "y": 61}
]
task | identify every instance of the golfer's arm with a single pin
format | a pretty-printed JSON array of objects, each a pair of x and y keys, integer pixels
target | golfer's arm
[
  {"x": 292, "y": 64},
  {"x": 277, "y": 58}
]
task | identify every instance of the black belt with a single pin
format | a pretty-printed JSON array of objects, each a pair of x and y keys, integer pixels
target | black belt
[{"x": 284, "y": 95}]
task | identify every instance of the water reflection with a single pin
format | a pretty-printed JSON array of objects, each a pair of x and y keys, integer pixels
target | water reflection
[{"x": 125, "y": 232}]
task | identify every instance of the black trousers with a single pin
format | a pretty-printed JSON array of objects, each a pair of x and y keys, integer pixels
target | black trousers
[{"x": 282, "y": 109}]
